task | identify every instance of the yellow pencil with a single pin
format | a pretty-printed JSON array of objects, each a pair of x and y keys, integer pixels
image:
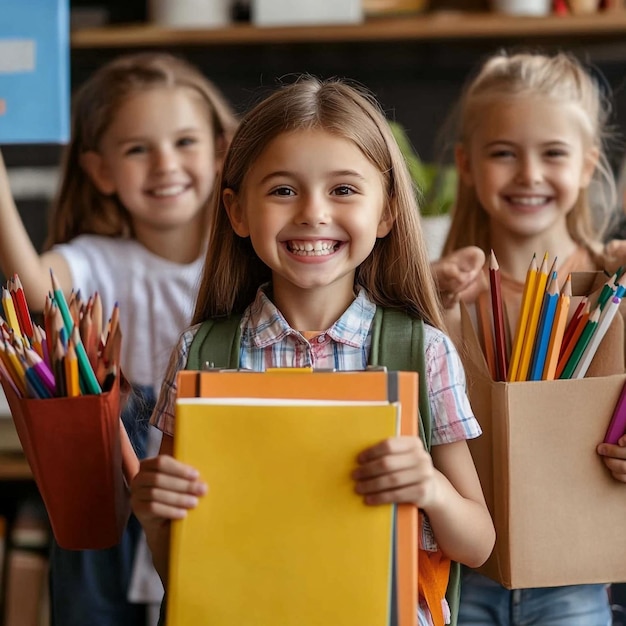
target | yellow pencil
[
  {"x": 10, "y": 313},
  {"x": 533, "y": 319},
  {"x": 558, "y": 329},
  {"x": 522, "y": 320}
]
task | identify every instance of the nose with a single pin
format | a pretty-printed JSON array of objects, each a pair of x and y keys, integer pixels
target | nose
[
  {"x": 529, "y": 171},
  {"x": 165, "y": 159},
  {"x": 313, "y": 210}
]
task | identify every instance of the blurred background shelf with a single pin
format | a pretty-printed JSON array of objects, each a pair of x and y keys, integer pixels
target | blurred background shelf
[{"x": 429, "y": 26}]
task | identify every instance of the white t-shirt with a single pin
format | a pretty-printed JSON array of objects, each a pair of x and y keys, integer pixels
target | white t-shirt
[{"x": 156, "y": 298}]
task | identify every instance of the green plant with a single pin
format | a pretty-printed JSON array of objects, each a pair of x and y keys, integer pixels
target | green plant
[{"x": 436, "y": 184}]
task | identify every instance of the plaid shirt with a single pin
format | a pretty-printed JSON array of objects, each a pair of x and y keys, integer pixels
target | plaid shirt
[{"x": 267, "y": 340}]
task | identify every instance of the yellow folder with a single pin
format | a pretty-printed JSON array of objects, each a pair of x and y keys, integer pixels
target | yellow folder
[
  {"x": 281, "y": 537},
  {"x": 371, "y": 385}
]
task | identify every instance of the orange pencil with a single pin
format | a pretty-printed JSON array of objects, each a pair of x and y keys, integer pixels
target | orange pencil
[
  {"x": 522, "y": 320},
  {"x": 558, "y": 328},
  {"x": 571, "y": 344},
  {"x": 498, "y": 316},
  {"x": 71, "y": 371},
  {"x": 533, "y": 319}
]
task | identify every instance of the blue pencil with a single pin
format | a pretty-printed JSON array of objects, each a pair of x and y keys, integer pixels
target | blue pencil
[{"x": 544, "y": 329}]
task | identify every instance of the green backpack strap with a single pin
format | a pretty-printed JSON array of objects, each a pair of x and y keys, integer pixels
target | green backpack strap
[
  {"x": 398, "y": 344},
  {"x": 216, "y": 343}
]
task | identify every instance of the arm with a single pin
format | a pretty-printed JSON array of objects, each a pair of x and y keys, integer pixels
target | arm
[
  {"x": 18, "y": 255},
  {"x": 163, "y": 490},
  {"x": 445, "y": 485},
  {"x": 459, "y": 275}
]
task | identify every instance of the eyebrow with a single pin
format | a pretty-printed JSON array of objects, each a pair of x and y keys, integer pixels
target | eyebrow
[
  {"x": 506, "y": 142},
  {"x": 139, "y": 139},
  {"x": 291, "y": 174}
]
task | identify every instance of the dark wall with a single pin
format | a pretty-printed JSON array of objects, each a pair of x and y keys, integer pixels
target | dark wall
[{"x": 417, "y": 83}]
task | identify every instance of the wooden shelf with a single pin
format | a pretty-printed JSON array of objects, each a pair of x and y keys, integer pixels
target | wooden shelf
[
  {"x": 430, "y": 26},
  {"x": 13, "y": 466}
]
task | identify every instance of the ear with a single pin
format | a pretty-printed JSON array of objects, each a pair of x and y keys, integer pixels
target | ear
[
  {"x": 236, "y": 214},
  {"x": 385, "y": 224},
  {"x": 589, "y": 166},
  {"x": 93, "y": 164},
  {"x": 461, "y": 158}
]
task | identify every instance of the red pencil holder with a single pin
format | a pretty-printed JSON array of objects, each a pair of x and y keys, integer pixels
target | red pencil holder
[{"x": 74, "y": 449}]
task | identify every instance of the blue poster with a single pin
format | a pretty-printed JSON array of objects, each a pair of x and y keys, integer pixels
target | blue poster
[{"x": 34, "y": 71}]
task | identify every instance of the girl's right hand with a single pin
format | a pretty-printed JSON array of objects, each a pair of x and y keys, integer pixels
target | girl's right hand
[{"x": 164, "y": 489}]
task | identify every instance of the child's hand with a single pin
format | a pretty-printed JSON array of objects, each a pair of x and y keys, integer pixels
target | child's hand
[
  {"x": 614, "y": 255},
  {"x": 614, "y": 458},
  {"x": 163, "y": 490},
  {"x": 459, "y": 275},
  {"x": 398, "y": 469}
]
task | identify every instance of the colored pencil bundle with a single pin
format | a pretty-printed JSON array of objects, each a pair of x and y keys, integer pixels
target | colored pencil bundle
[
  {"x": 71, "y": 356},
  {"x": 546, "y": 345}
]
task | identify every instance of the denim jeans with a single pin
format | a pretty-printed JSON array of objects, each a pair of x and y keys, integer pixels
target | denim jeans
[
  {"x": 89, "y": 587},
  {"x": 484, "y": 602}
]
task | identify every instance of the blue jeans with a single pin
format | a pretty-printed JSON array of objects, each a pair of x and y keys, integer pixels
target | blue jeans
[
  {"x": 485, "y": 602},
  {"x": 89, "y": 587}
]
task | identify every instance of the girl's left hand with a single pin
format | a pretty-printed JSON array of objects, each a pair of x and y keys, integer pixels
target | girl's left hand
[
  {"x": 398, "y": 469},
  {"x": 614, "y": 458}
]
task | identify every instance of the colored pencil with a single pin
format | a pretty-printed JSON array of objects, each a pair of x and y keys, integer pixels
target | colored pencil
[
  {"x": 71, "y": 371},
  {"x": 544, "y": 329},
  {"x": 21, "y": 307},
  {"x": 483, "y": 317},
  {"x": 570, "y": 327},
  {"x": 10, "y": 313},
  {"x": 581, "y": 322},
  {"x": 606, "y": 319},
  {"x": 522, "y": 320},
  {"x": 558, "y": 329},
  {"x": 498, "y": 316},
  {"x": 581, "y": 344},
  {"x": 533, "y": 319}
]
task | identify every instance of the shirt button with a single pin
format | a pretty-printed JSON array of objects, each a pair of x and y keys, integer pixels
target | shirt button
[{"x": 321, "y": 338}]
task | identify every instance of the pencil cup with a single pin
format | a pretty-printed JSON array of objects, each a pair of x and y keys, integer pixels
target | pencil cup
[{"x": 74, "y": 449}]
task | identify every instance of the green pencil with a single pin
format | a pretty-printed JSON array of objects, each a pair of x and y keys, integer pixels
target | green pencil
[{"x": 581, "y": 344}]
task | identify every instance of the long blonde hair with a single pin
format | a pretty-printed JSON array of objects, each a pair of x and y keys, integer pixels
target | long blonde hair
[
  {"x": 79, "y": 207},
  {"x": 396, "y": 274},
  {"x": 559, "y": 77}
]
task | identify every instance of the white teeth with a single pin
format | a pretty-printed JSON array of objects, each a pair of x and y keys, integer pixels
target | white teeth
[
  {"x": 526, "y": 201},
  {"x": 174, "y": 190},
  {"x": 311, "y": 248}
]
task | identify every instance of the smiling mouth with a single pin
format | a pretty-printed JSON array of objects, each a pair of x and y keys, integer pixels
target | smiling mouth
[
  {"x": 528, "y": 201},
  {"x": 313, "y": 248},
  {"x": 168, "y": 192}
]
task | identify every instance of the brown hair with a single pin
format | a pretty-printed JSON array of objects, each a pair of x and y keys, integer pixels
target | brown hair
[
  {"x": 559, "y": 77},
  {"x": 79, "y": 207},
  {"x": 396, "y": 273}
]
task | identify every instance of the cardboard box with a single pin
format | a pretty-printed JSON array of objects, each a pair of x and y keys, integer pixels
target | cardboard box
[
  {"x": 559, "y": 514},
  {"x": 34, "y": 71}
]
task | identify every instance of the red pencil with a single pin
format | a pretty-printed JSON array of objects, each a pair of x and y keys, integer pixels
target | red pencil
[{"x": 498, "y": 317}]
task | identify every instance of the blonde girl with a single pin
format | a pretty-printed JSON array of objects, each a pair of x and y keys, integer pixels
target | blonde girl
[
  {"x": 530, "y": 148},
  {"x": 314, "y": 227},
  {"x": 149, "y": 132}
]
